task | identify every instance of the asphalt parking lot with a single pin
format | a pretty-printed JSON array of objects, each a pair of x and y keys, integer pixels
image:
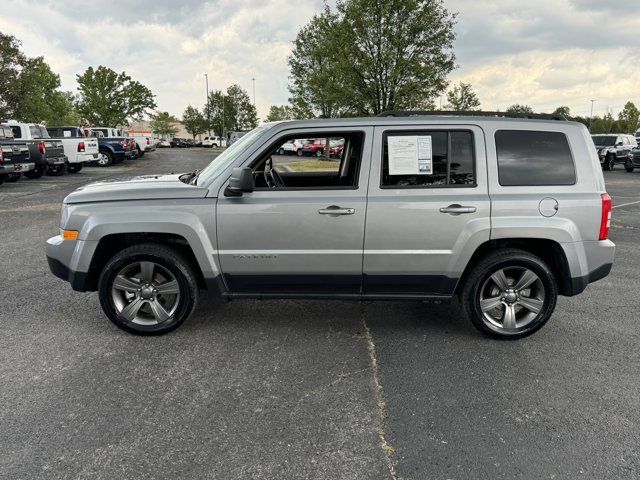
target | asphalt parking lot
[{"x": 306, "y": 389}]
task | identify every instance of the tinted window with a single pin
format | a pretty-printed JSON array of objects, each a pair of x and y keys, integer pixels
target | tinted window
[
  {"x": 603, "y": 140},
  {"x": 452, "y": 159},
  {"x": 534, "y": 158},
  {"x": 17, "y": 133}
]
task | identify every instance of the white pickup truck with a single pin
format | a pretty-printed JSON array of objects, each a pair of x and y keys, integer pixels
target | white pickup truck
[
  {"x": 78, "y": 148},
  {"x": 145, "y": 142}
]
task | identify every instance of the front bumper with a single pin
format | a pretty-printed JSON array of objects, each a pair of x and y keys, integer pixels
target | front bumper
[
  {"x": 70, "y": 261},
  {"x": 17, "y": 168}
]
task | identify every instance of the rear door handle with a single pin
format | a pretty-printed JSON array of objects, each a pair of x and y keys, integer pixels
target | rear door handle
[
  {"x": 335, "y": 210},
  {"x": 456, "y": 209}
]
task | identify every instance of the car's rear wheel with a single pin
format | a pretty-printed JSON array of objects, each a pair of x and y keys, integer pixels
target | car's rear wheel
[
  {"x": 105, "y": 159},
  {"x": 57, "y": 170},
  {"x": 35, "y": 174},
  {"x": 509, "y": 294},
  {"x": 281, "y": 151},
  {"x": 148, "y": 289},
  {"x": 628, "y": 166},
  {"x": 299, "y": 152},
  {"x": 74, "y": 168},
  {"x": 611, "y": 162}
]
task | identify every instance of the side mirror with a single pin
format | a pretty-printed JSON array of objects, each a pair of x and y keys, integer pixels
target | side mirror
[{"x": 241, "y": 181}]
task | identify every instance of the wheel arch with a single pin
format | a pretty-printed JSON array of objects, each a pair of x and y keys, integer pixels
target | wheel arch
[{"x": 550, "y": 251}]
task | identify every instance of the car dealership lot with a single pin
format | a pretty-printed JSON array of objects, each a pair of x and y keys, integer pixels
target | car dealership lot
[{"x": 304, "y": 389}]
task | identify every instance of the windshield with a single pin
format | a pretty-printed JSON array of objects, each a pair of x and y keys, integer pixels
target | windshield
[
  {"x": 226, "y": 158},
  {"x": 604, "y": 140}
]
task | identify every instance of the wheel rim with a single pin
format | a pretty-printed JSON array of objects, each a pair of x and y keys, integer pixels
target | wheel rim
[
  {"x": 511, "y": 299},
  {"x": 145, "y": 293},
  {"x": 103, "y": 159}
]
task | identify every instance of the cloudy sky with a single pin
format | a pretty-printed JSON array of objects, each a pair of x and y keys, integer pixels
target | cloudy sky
[{"x": 543, "y": 53}]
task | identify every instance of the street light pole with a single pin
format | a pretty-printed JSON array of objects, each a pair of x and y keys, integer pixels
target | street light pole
[
  {"x": 206, "y": 79},
  {"x": 254, "y": 90},
  {"x": 591, "y": 115}
]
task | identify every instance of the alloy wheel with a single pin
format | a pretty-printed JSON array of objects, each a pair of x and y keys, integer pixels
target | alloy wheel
[
  {"x": 145, "y": 293},
  {"x": 511, "y": 299}
]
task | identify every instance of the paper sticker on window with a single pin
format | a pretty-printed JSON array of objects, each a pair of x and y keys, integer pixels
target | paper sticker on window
[{"x": 410, "y": 155}]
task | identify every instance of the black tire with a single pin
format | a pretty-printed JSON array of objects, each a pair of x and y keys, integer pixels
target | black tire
[
  {"x": 167, "y": 258},
  {"x": 281, "y": 151},
  {"x": 57, "y": 170},
  {"x": 74, "y": 168},
  {"x": 628, "y": 166},
  {"x": 106, "y": 159},
  {"x": 35, "y": 174},
  {"x": 504, "y": 260},
  {"x": 13, "y": 177},
  {"x": 299, "y": 152},
  {"x": 610, "y": 162},
  {"x": 3, "y": 178},
  {"x": 140, "y": 152}
]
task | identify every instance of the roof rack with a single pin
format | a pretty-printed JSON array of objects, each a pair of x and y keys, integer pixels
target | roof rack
[{"x": 419, "y": 113}]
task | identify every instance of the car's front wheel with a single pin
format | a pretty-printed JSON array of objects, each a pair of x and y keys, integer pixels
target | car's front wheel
[
  {"x": 610, "y": 162},
  {"x": 628, "y": 166},
  {"x": 148, "y": 289},
  {"x": 105, "y": 159},
  {"x": 509, "y": 294}
]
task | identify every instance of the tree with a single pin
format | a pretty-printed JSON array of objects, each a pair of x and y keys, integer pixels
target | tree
[
  {"x": 367, "y": 56},
  {"x": 194, "y": 121},
  {"x": 563, "y": 111},
  {"x": 280, "y": 112},
  {"x": 62, "y": 110},
  {"x": 517, "y": 108},
  {"x": 629, "y": 118},
  {"x": 162, "y": 124},
  {"x": 11, "y": 61},
  {"x": 220, "y": 120},
  {"x": 110, "y": 98},
  {"x": 242, "y": 111},
  {"x": 463, "y": 98}
]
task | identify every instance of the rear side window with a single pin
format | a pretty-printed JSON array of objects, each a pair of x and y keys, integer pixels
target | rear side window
[
  {"x": 430, "y": 158},
  {"x": 534, "y": 158}
]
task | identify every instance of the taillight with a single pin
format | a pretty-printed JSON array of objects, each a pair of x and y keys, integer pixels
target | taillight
[
  {"x": 132, "y": 144},
  {"x": 123, "y": 144},
  {"x": 605, "y": 221},
  {"x": 80, "y": 146},
  {"x": 147, "y": 140},
  {"x": 41, "y": 147}
]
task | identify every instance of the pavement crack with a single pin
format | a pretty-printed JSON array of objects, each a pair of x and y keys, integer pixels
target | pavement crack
[{"x": 387, "y": 449}]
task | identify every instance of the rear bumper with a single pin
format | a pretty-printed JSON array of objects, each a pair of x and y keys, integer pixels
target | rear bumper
[
  {"x": 131, "y": 154},
  {"x": 588, "y": 262},
  {"x": 57, "y": 160},
  {"x": 16, "y": 168},
  {"x": 85, "y": 157}
]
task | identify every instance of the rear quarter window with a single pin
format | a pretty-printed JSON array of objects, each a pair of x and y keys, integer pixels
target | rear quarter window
[{"x": 529, "y": 158}]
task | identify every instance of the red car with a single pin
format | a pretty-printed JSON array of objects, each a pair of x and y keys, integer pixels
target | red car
[{"x": 314, "y": 147}]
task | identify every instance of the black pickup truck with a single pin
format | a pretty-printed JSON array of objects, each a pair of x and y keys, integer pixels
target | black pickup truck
[
  {"x": 46, "y": 153},
  {"x": 14, "y": 157}
]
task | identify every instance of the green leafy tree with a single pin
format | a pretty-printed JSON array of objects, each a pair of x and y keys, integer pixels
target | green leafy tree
[
  {"x": 62, "y": 110},
  {"x": 563, "y": 111},
  {"x": 242, "y": 111},
  {"x": 219, "y": 118},
  {"x": 367, "y": 56},
  {"x": 163, "y": 124},
  {"x": 280, "y": 112},
  {"x": 517, "y": 108},
  {"x": 463, "y": 98},
  {"x": 11, "y": 61},
  {"x": 194, "y": 121},
  {"x": 110, "y": 98},
  {"x": 629, "y": 118}
]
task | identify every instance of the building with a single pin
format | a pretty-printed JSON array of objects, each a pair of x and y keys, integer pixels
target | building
[{"x": 143, "y": 127}]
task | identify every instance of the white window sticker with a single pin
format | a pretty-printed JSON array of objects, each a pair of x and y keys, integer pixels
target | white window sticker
[
  {"x": 410, "y": 155},
  {"x": 66, "y": 133}
]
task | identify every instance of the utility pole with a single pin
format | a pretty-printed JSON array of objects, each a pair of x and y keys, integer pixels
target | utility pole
[
  {"x": 254, "y": 90},
  {"x": 206, "y": 79},
  {"x": 591, "y": 115}
]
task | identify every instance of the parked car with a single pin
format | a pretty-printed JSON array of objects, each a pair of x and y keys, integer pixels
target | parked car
[
  {"x": 634, "y": 161},
  {"x": 520, "y": 206},
  {"x": 313, "y": 147},
  {"x": 180, "y": 143},
  {"x": 46, "y": 154},
  {"x": 336, "y": 148},
  {"x": 614, "y": 148},
  {"x": 78, "y": 148},
  {"x": 164, "y": 143},
  {"x": 209, "y": 142},
  {"x": 14, "y": 157},
  {"x": 233, "y": 137},
  {"x": 113, "y": 150},
  {"x": 292, "y": 147},
  {"x": 143, "y": 143}
]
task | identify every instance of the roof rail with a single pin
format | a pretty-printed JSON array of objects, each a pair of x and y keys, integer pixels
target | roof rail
[{"x": 419, "y": 113}]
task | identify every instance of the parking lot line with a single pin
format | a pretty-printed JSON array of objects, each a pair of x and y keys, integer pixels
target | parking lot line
[{"x": 626, "y": 204}]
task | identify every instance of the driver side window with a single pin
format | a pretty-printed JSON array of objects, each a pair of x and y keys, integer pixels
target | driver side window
[{"x": 313, "y": 161}]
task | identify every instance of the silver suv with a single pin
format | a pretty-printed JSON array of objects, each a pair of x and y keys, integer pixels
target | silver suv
[{"x": 504, "y": 214}]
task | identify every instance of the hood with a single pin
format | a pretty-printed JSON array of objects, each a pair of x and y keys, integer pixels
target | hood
[{"x": 148, "y": 187}]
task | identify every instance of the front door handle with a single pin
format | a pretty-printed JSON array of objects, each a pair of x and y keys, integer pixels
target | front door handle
[
  {"x": 456, "y": 209},
  {"x": 336, "y": 210}
]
